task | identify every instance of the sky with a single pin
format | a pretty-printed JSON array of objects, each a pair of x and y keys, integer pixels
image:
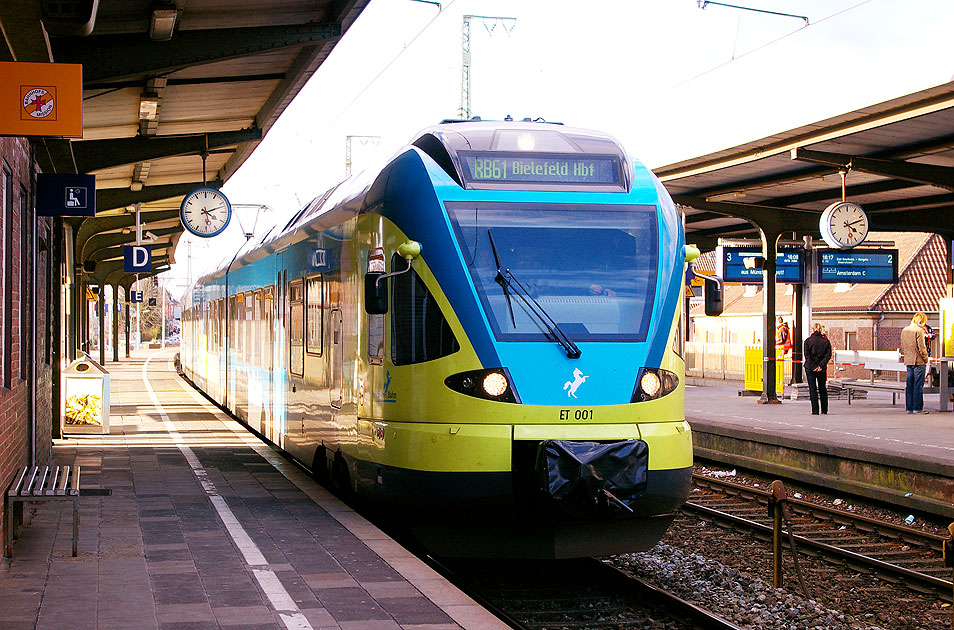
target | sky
[{"x": 669, "y": 79}]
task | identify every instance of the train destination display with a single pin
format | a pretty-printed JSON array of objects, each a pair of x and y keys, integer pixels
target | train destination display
[
  {"x": 789, "y": 265},
  {"x": 540, "y": 168},
  {"x": 857, "y": 266}
]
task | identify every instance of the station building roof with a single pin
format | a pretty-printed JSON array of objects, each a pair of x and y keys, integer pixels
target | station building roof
[
  {"x": 165, "y": 82},
  {"x": 898, "y": 156}
]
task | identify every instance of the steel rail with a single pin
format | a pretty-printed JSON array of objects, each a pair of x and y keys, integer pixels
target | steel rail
[
  {"x": 642, "y": 589},
  {"x": 907, "y": 576},
  {"x": 840, "y": 516}
]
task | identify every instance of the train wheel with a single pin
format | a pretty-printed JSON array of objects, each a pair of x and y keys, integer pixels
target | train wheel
[
  {"x": 340, "y": 476},
  {"x": 320, "y": 467}
]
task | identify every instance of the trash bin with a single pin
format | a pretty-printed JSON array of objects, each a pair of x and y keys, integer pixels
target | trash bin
[{"x": 85, "y": 398}]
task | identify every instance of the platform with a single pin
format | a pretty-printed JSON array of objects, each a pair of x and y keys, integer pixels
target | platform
[
  {"x": 870, "y": 448},
  {"x": 207, "y": 527}
]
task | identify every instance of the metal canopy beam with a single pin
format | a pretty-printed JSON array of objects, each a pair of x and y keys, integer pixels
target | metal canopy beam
[
  {"x": 96, "y": 225},
  {"x": 93, "y": 155},
  {"x": 113, "y": 198},
  {"x": 112, "y": 239},
  {"x": 769, "y": 219},
  {"x": 85, "y": 156},
  {"x": 834, "y": 193},
  {"x": 104, "y": 268},
  {"x": 112, "y": 57},
  {"x": 930, "y": 174},
  {"x": 116, "y": 253}
]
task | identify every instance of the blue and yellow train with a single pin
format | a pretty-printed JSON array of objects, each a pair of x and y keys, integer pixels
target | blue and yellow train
[{"x": 483, "y": 336}]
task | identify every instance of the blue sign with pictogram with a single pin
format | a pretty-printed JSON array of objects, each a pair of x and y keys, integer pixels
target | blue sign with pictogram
[
  {"x": 137, "y": 258},
  {"x": 65, "y": 195}
]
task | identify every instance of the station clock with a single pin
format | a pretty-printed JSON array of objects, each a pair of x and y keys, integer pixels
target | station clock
[
  {"x": 843, "y": 225},
  {"x": 205, "y": 212}
]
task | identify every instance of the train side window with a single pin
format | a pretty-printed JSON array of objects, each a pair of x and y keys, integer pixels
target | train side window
[
  {"x": 296, "y": 337},
  {"x": 258, "y": 326},
  {"x": 313, "y": 305},
  {"x": 233, "y": 321},
  {"x": 269, "y": 315},
  {"x": 419, "y": 331}
]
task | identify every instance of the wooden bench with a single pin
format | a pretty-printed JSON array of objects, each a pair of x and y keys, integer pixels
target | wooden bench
[{"x": 56, "y": 483}]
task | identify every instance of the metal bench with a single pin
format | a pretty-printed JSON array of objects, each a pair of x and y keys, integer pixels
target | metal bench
[
  {"x": 895, "y": 387},
  {"x": 56, "y": 483}
]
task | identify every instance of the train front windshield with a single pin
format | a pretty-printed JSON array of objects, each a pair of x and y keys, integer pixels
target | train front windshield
[{"x": 592, "y": 269}]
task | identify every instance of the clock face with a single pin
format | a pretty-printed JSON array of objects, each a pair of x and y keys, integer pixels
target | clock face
[
  {"x": 205, "y": 212},
  {"x": 844, "y": 225}
]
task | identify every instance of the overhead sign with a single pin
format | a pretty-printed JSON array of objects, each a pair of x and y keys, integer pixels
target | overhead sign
[
  {"x": 137, "y": 258},
  {"x": 135, "y": 297},
  {"x": 730, "y": 264},
  {"x": 41, "y": 99},
  {"x": 540, "y": 168},
  {"x": 857, "y": 266},
  {"x": 65, "y": 195}
]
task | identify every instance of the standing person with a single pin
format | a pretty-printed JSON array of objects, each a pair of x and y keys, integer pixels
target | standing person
[
  {"x": 914, "y": 349},
  {"x": 816, "y": 353},
  {"x": 783, "y": 335}
]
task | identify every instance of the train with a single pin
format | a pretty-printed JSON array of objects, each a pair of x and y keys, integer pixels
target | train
[{"x": 483, "y": 338}]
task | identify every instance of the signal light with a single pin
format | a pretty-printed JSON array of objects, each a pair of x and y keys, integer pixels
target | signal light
[
  {"x": 653, "y": 383},
  {"x": 650, "y": 384},
  {"x": 495, "y": 384},
  {"x": 490, "y": 384}
]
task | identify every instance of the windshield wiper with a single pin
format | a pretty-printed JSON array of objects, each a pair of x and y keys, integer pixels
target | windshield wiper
[
  {"x": 502, "y": 284},
  {"x": 509, "y": 283}
]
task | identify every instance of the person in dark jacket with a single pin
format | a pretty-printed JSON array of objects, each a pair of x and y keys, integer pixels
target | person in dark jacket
[{"x": 817, "y": 354}]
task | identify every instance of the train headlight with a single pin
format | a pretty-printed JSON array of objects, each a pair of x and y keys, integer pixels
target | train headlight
[
  {"x": 490, "y": 384},
  {"x": 495, "y": 384},
  {"x": 652, "y": 383}
]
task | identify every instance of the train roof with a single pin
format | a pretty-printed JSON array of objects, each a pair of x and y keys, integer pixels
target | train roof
[{"x": 443, "y": 143}]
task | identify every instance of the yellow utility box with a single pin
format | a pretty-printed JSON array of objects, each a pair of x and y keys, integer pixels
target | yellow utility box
[{"x": 753, "y": 370}]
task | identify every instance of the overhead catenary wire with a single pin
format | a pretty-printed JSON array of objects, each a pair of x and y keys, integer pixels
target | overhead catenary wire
[
  {"x": 766, "y": 45},
  {"x": 384, "y": 69}
]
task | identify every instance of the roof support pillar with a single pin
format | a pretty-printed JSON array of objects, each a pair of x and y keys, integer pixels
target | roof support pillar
[
  {"x": 115, "y": 323},
  {"x": 769, "y": 365},
  {"x": 101, "y": 315}
]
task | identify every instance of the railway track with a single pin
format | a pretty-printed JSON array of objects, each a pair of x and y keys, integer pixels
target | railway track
[
  {"x": 893, "y": 553},
  {"x": 583, "y": 594}
]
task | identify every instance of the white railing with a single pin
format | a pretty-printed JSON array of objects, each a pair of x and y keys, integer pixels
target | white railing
[{"x": 725, "y": 361}]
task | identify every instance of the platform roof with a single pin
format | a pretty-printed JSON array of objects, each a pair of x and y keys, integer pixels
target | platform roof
[
  {"x": 898, "y": 155},
  {"x": 218, "y": 78}
]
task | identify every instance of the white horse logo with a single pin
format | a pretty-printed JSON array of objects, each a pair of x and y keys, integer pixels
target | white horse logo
[{"x": 571, "y": 386}]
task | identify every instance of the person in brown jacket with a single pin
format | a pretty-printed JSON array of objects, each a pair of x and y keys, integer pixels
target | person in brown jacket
[{"x": 914, "y": 349}]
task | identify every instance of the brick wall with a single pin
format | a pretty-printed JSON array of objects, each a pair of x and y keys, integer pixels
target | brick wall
[{"x": 23, "y": 347}]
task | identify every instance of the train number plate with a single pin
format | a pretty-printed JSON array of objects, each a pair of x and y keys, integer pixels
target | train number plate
[{"x": 576, "y": 415}]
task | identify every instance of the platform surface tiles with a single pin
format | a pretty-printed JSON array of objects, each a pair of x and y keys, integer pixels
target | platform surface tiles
[{"x": 207, "y": 527}]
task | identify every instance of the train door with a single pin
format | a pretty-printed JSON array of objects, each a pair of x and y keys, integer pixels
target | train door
[
  {"x": 280, "y": 383},
  {"x": 336, "y": 350}
]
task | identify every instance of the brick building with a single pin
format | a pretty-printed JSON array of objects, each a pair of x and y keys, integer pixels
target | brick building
[{"x": 28, "y": 347}]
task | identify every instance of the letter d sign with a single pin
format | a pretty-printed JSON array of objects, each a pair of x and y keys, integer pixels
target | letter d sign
[{"x": 137, "y": 258}]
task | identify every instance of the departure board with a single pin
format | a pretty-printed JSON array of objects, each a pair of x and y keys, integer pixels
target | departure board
[
  {"x": 493, "y": 167},
  {"x": 857, "y": 266},
  {"x": 789, "y": 265}
]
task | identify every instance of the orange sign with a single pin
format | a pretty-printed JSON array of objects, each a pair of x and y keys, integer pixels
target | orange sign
[{"x": 45, "y": 99}]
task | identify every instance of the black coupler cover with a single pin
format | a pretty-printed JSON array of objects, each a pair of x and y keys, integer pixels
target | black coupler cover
[{"x": 590, "y": 477}]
